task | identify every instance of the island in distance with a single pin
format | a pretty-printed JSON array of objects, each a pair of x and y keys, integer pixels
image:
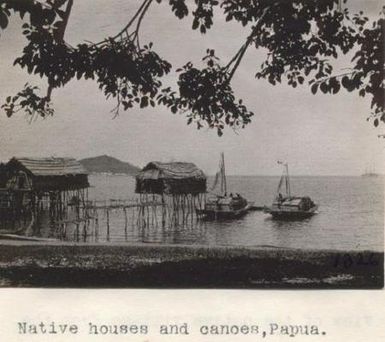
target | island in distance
[{"x": 107, "y": 164}]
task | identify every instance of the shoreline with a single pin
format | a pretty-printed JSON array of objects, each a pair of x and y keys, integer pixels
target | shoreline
[
  {"x": 20, "y": 240},
  {"x": 85, "y": 265}
]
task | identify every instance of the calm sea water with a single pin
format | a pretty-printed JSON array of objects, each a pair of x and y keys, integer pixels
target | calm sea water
[{"x": 351, "y": 215}]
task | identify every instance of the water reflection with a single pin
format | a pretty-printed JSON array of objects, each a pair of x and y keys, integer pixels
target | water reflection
[{"x": 350, "y": 217}]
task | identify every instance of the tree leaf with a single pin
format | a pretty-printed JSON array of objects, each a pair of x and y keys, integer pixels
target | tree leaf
[
  {"x": 314, "y": 88},
  {"x": 144, "y": 102},
  {"x": 3, "y": 20}
]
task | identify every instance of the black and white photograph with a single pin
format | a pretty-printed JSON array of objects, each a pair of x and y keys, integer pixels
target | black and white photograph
[{"x": 192, "y": 144}]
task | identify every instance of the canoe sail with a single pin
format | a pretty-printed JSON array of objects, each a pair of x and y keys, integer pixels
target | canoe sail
[
  {"x": 285, "y": 180},
  {"x": 219, "y": 186}
]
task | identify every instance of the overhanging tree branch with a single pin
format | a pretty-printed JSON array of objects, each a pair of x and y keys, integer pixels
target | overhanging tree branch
[
  {"x": 239, "y": 55},
  {"x": 59, "y": 37},
  {"x": 138, "y": 14},
  {"x": 132, "y": 74}
]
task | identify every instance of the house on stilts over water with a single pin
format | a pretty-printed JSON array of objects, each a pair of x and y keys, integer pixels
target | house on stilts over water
[
  {"x": 29, "y": 185},
  {"x": 179, "y": 186}
]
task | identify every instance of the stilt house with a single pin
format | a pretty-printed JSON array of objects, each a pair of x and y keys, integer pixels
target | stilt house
[
  {"x": 176, "y": 178},
  {"x": 42, "y": 175},
  {"x": 38, "y": 182},
  {"x": 181, "y": 186}
]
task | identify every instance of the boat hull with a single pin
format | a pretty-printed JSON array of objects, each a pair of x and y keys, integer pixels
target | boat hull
[
  {"x": 292, "y": 214},
  {"x": 222, "y": 214}
]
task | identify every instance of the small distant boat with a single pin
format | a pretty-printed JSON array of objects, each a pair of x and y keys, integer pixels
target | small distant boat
[
  {"x": 370, "y": 172},
  {"x": 220, "y": 205},
  {"x": 286, "y": 207}
]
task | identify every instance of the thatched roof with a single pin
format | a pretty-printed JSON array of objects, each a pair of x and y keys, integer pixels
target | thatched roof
[
  {"x": 50, "y": 166},
  {"x": 175, "y": 170},
  {"x": 48, "y": 174},
  {"x": 173, "y": 178}
]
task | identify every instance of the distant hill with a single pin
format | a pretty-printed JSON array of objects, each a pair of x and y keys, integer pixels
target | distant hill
[{"x": 107, "y": 164}]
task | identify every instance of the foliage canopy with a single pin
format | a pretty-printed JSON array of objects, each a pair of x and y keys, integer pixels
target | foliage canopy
[{"x": 301, "y": 39}]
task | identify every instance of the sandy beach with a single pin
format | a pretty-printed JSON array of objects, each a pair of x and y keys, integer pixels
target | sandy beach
[{"x": 59, "y": 264}]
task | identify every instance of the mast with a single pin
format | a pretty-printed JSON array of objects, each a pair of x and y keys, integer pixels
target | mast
[
  {"x": 288, "y": 192},
  {"x": 224, "y": 183}
]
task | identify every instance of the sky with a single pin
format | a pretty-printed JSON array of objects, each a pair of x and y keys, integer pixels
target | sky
[{"x": 316, "y": 135}]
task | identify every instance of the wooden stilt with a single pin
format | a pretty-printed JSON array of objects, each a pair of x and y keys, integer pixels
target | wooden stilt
[
  {"x": 125, "y": 223},
  {"x": 108, "y": 225}
]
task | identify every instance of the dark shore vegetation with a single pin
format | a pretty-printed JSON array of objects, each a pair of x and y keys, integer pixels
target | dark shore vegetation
[{"x": 26, "y": 264}]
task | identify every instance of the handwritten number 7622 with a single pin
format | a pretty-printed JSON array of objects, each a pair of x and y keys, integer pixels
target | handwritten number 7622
[{"x": 347, "y": 260}]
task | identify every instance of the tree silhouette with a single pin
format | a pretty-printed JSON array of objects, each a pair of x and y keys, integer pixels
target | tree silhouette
[{"x": 302, "y": 38}]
